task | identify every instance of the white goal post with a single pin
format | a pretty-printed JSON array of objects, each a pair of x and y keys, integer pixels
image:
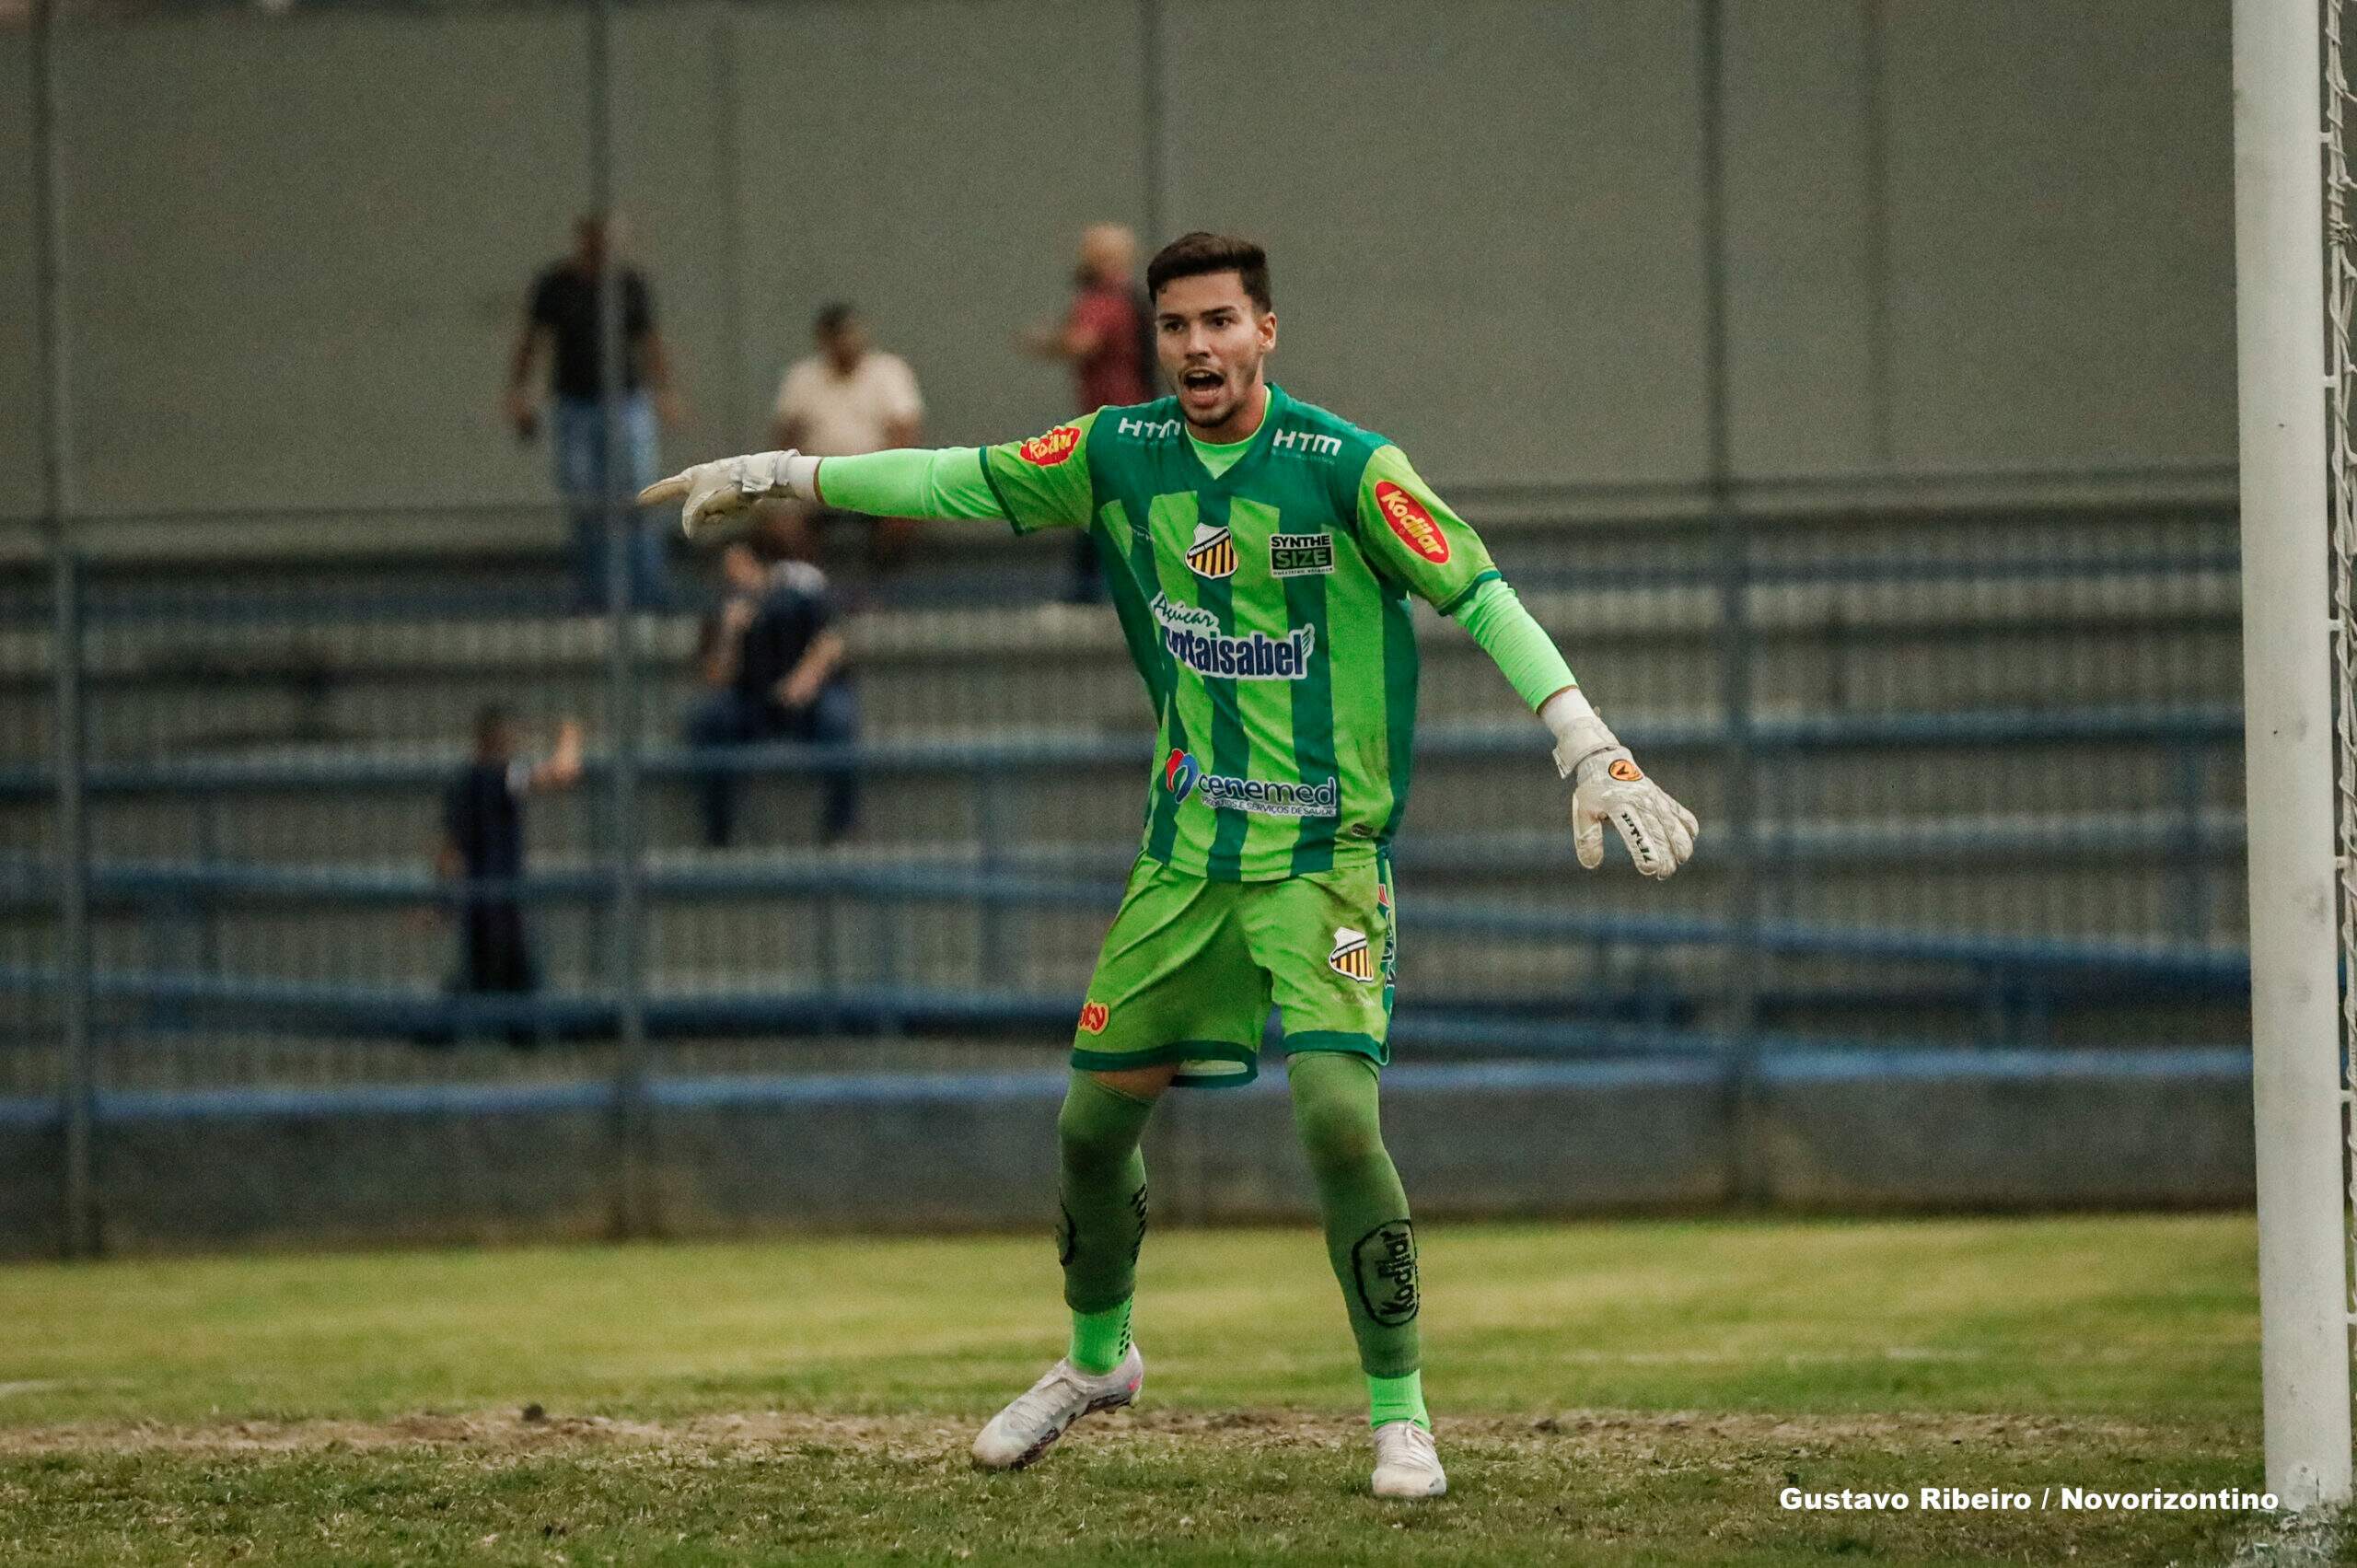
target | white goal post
[{"x": 2294, "y": 640}]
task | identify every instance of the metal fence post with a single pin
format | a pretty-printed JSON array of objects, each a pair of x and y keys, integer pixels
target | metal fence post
[
  {"x": 79, "y": 1226},
  {"x": 70, "y": 765},
  {"x": 1734, "y": 829},
  {"x": 632, "y": 1196}
]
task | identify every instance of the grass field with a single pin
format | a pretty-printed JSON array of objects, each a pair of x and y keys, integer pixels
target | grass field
[{"x": 1610, "y": 1393}]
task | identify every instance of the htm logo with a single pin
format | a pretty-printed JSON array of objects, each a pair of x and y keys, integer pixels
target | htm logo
[{"x": 1307, "y": 445}]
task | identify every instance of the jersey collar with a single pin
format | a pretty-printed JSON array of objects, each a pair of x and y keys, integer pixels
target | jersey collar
[{"x": 1277, "y": 402}]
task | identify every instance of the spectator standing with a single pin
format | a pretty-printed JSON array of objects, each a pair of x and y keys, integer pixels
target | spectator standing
[
  {"x": 1107, "y": 336},
  {"x": 849, "y": 399},
  {"x": 483, "y": 852},
  {"x": 563, "y": 318},
  {"x": 774, "y": 669}
]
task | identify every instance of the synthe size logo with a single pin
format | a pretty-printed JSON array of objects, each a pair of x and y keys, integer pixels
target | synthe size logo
[
  {"x": 1411, "y": 522},
  {"x": 1193, "y": 636},
  {"x": 1183, "y": 776},
  {"x": 1047, "y": 451},
  {"x": 1307, "y": 445},
  {"x": 1150, "y": 429},
  {"x": 1300, "y": 555},
  {"x": 1212, "y": 553}
]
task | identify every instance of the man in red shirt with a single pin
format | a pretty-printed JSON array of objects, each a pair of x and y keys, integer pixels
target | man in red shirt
[{"x": 1106, "y": 339}]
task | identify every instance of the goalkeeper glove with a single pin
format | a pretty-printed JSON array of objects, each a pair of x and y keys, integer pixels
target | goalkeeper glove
[
  {"x": 1609, "y": 786},
  {"x": 715, "y": 489}
]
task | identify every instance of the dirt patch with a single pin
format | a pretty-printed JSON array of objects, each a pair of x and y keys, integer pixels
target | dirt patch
[{"x": 903, "y": 1435}]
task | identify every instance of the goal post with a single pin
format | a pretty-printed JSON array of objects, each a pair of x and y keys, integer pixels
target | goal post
[{"x": 2289, "y": 663}]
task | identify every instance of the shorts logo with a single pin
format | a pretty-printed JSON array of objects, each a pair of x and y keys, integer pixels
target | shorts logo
[
  {"x": 1625, "y": 771},
  {"x": 1300, "y": 555},
  {"x": 1411, "y": 522},
  {"x": 1382, "y": 1264},
  {"x": 1350, "y": 957},
  {"x": 1214, "y": 553},
  {"x": 1179, "y": 773},
  {"x": 1094, "y": 1016},
  {"x": 1047, "y": 451}
]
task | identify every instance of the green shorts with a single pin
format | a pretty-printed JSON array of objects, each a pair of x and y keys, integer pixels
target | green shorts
[{"x": 1192, "y": 967}]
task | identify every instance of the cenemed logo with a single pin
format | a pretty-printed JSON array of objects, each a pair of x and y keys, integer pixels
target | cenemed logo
[
  {"x": 1193, "y": 636},
  {"x": 1182, "y": 776}
]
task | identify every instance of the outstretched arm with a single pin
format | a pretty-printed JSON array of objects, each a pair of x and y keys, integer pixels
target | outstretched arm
[
  {"x": 1421, "y": 542},
  {"x": 1042, "y": 482},
  {"x": 1608, "y": 785}
]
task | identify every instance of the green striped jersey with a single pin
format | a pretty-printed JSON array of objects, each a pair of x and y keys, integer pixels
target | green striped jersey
[{"x": 1266, "y": 609}]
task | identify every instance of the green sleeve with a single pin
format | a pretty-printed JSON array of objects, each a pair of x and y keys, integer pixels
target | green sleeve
[
  {"x": 1494, "y": 614},
  {"x": 1044, "y": 482},
  {"x": 911, "y": 482},
  {"x": 1413, "y": 536}
]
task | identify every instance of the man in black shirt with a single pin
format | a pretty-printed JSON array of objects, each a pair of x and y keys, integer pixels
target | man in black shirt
[
  {"x": 772, "y": 662},
  {"x": 562, "y": 316},
  {"x": 483, "y": 851}
]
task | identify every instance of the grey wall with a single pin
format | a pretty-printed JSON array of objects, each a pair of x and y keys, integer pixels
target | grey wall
[
  {"x": 1946, "y": 1131},
  {"x": 1959, "y": 236}
]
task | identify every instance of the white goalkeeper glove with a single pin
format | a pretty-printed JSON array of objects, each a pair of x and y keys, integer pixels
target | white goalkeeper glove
[
  {"x": 717, "y": 489},
  {"x": 1609, "y": 786}
]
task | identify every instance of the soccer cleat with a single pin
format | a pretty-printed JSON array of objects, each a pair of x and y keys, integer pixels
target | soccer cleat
[
  {"x": 1407, "y": 1461},
  {"x": 1025, "y": 1429}
]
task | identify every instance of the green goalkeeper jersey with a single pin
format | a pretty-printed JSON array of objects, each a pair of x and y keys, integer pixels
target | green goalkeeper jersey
[{"x": 1266, "y": 607}]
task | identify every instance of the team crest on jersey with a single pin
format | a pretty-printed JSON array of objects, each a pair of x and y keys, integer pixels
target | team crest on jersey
[
  {"x": 1301, "y": 555},
  {"x": 1350, "y": 957},
  {"x": 1411, "y": 522},
  {"x": 1214, "y": 553},
  {"x": 1047, "y": 451}
]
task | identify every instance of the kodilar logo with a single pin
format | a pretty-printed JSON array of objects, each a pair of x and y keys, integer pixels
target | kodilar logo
[
  {"x": 1411, "y": 522},
  {"x": 1094, "y": 1016},
  {"x": 1047, "y": 451}
]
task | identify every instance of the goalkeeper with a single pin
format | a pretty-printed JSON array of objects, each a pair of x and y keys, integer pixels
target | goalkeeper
[{"x": 1260, "y": 553}]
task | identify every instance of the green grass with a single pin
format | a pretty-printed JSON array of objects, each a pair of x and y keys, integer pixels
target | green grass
[{"x": 1621, "y": 1393}]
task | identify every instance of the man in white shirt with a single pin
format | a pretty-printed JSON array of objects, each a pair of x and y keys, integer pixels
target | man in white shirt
[{"x": 849, "y": 400}]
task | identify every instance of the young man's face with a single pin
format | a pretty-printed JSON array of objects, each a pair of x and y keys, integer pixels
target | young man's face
[{"x": 1211, "y": 339}]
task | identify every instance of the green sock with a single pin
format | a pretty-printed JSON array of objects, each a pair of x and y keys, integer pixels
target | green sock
[
  {"x": 1397, "y": 1399},
  {"x": 1369, "y": 1238},
  {"x": 1101, "y": 1180},
  {"x": 1099, "y": 1339}
]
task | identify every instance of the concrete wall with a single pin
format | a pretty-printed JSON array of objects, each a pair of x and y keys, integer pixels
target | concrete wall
[
  {"x": 1922, "y": 1132},
  {"x": 1957, "y": 237}
]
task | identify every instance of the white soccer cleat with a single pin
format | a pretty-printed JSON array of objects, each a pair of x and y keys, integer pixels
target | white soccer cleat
[
  {"x": 1025, "y": 1429},
  {"x": 1407, "y": 1461}
]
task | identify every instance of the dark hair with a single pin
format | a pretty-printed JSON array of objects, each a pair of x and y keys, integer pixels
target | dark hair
[
  {"x": 832, "y": 319},
  {"x": 1193, "y": 255}
]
